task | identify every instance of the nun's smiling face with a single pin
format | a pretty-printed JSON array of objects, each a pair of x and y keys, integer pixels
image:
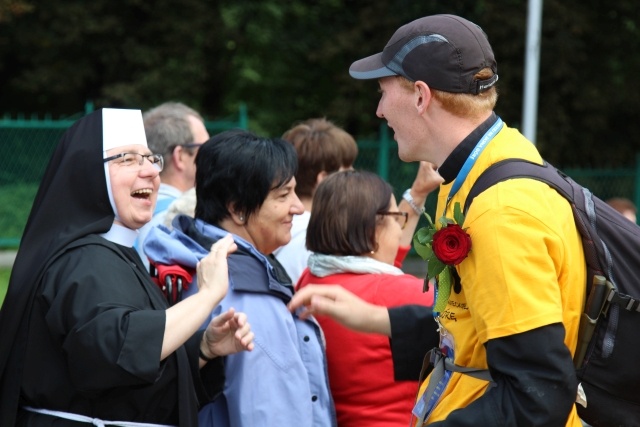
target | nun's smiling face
[{"x": 134, "y": 185}]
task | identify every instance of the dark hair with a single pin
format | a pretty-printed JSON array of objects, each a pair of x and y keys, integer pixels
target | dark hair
[
  {"x": 344, "y": 215},
  {"x": 238, "y": 168},
  {"x": 622, "y": 204},
  {"x": 321, "y": 146}
]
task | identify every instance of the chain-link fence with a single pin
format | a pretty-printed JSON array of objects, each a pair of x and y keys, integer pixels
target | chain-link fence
[
  {"x": 381, "y": 156},
  {"x": 27, "y": 144},
  {"x": 25, "y": 147}
]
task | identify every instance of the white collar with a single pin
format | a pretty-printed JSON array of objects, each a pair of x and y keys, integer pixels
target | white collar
[{"x": 121, "y": 235}]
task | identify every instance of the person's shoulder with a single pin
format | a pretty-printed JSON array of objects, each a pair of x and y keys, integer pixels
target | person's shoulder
[
  {"x": 402, "y": 289},
  {"x": 389, "y": 280},
  {"x": 88, "y": 254},
  {"x": 382, "y": 289},
  {"x": 90, "y": 244},
  {"x": 267, "y": 312}
]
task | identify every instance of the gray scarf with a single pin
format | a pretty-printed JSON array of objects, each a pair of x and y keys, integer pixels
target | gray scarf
[{"x": 322, "y": 265}]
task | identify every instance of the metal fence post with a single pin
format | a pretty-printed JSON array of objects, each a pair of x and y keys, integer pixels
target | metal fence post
[
  {"x": 88, "y": 107},
  {"x": 383, "y": 152},
  {"x": 243, "y": 117},
  {"x": 636, "y": 182}
]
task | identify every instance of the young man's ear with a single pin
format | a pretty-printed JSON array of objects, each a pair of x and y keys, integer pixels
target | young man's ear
[{"x": 422, "y": 96}]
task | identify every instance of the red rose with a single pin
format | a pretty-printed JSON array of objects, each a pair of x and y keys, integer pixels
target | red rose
[{"x": 451, "y": 244}]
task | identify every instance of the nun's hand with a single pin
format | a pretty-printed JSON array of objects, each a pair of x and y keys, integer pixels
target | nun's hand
[{"x": 213, "y": 272}]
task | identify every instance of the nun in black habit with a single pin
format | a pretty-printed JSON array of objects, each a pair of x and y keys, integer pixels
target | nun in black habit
[{"x": 85, "y": 336}]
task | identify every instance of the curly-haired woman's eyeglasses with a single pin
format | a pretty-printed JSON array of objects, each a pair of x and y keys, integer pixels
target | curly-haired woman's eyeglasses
[{"x": 401, "y": 217}]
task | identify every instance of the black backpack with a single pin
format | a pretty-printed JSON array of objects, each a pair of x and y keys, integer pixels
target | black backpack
[{"x": 608, "y": 354}]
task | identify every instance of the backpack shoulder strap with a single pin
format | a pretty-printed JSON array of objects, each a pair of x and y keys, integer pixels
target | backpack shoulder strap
[{"x": 519, "y": 168}]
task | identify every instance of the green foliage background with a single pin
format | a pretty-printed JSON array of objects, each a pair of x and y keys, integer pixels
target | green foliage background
[
  {"x": 288, "y": 61},
  {"x": 4, "y": 282}
]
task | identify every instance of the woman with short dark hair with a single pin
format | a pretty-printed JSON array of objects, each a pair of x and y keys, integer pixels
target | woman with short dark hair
[
  {"x": 354, "y": 233},
  {"x": 245, "y": 186}
]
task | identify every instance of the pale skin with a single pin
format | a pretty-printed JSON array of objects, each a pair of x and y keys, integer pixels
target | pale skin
[
  {"x": 342, "y": 306},
  {"x": 630, "y": 215},
  {"x": 427, "y": 180},
  {"x": 423, "y": 129},
  {"x": 424, "y": 132},
  {"x": 388, "y": 236},
  {"x": 135, "y": 191},
  {"x": 180, "y": 172},
  {"x": 227, "y": 333},
  {"x": 270, "y": 226},
  {"x": 307, "y": 201}
]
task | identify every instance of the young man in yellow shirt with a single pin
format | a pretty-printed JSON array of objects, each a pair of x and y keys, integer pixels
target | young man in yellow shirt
[{"x": 515, "y": 306}]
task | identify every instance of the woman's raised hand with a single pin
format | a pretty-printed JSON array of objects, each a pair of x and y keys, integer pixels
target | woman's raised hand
[{"x": 227, "y": 333}]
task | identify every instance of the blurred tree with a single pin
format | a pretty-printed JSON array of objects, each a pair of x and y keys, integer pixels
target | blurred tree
[
  {"x": 11, "y": 8},
  {"x": 129, "y": 53},
  {"x": 588, "y": 83},
  {"x": 288, "y": 61}
]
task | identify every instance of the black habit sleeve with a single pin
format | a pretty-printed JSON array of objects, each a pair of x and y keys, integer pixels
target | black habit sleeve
[
  {"x": 413, "y": 333},
  {"x": 209, "y": 381}
]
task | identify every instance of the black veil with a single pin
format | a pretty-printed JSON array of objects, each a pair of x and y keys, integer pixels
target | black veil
[{"x": 72, "y": 201}]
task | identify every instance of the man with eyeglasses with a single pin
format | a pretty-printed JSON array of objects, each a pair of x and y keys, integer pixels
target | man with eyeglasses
[{"x": 175, "y": 131}]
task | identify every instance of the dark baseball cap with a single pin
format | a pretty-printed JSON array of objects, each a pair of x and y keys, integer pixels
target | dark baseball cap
[{"x": 444, "y": 51}]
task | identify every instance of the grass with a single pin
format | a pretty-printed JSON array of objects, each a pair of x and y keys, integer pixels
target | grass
[
  {"x": 15, "y": 205},
  {"x": 4, "y": 282}
]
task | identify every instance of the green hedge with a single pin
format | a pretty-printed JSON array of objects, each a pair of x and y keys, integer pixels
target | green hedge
[
  {"x": 15, "y": 205},
  {"x": 4, "y": 282}
]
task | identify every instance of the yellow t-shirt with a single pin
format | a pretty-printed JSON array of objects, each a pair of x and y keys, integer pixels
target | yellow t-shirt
[{"x": 526, "y": 268}]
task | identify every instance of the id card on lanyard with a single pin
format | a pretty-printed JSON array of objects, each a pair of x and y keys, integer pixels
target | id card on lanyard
[
  {"x": 423, "y": 408},
  {"x": 439, "y": 377}
]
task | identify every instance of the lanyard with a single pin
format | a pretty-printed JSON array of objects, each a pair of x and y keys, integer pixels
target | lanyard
[
  {"x": 471, "y": 160},
  {"x": 441, "y": 376}
]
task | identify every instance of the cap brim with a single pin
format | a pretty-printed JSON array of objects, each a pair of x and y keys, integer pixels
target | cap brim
[{"x": 370, "y": 67}]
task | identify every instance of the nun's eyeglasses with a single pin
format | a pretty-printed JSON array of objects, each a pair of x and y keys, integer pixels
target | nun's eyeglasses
[{"x": 136, "y": 160}]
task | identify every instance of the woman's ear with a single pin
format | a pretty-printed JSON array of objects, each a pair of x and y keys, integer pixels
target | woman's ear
[{"x": 238, "y": 218}]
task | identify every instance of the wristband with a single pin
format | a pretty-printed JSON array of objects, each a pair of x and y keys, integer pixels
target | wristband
[
  {"x": 419, "y": 210},
  {"x": 203, "y": 356}
]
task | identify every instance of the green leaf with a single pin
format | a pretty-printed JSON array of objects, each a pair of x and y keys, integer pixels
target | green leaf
[
  {"x": 434, "y": 267},
  {"x": 424, "y": 251},
  {"x": 457, "y": 214},
  {"x": 444, "y": 221},
  {"x": 423, "y": 236},
  {"x": 428, "y": 218}
]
